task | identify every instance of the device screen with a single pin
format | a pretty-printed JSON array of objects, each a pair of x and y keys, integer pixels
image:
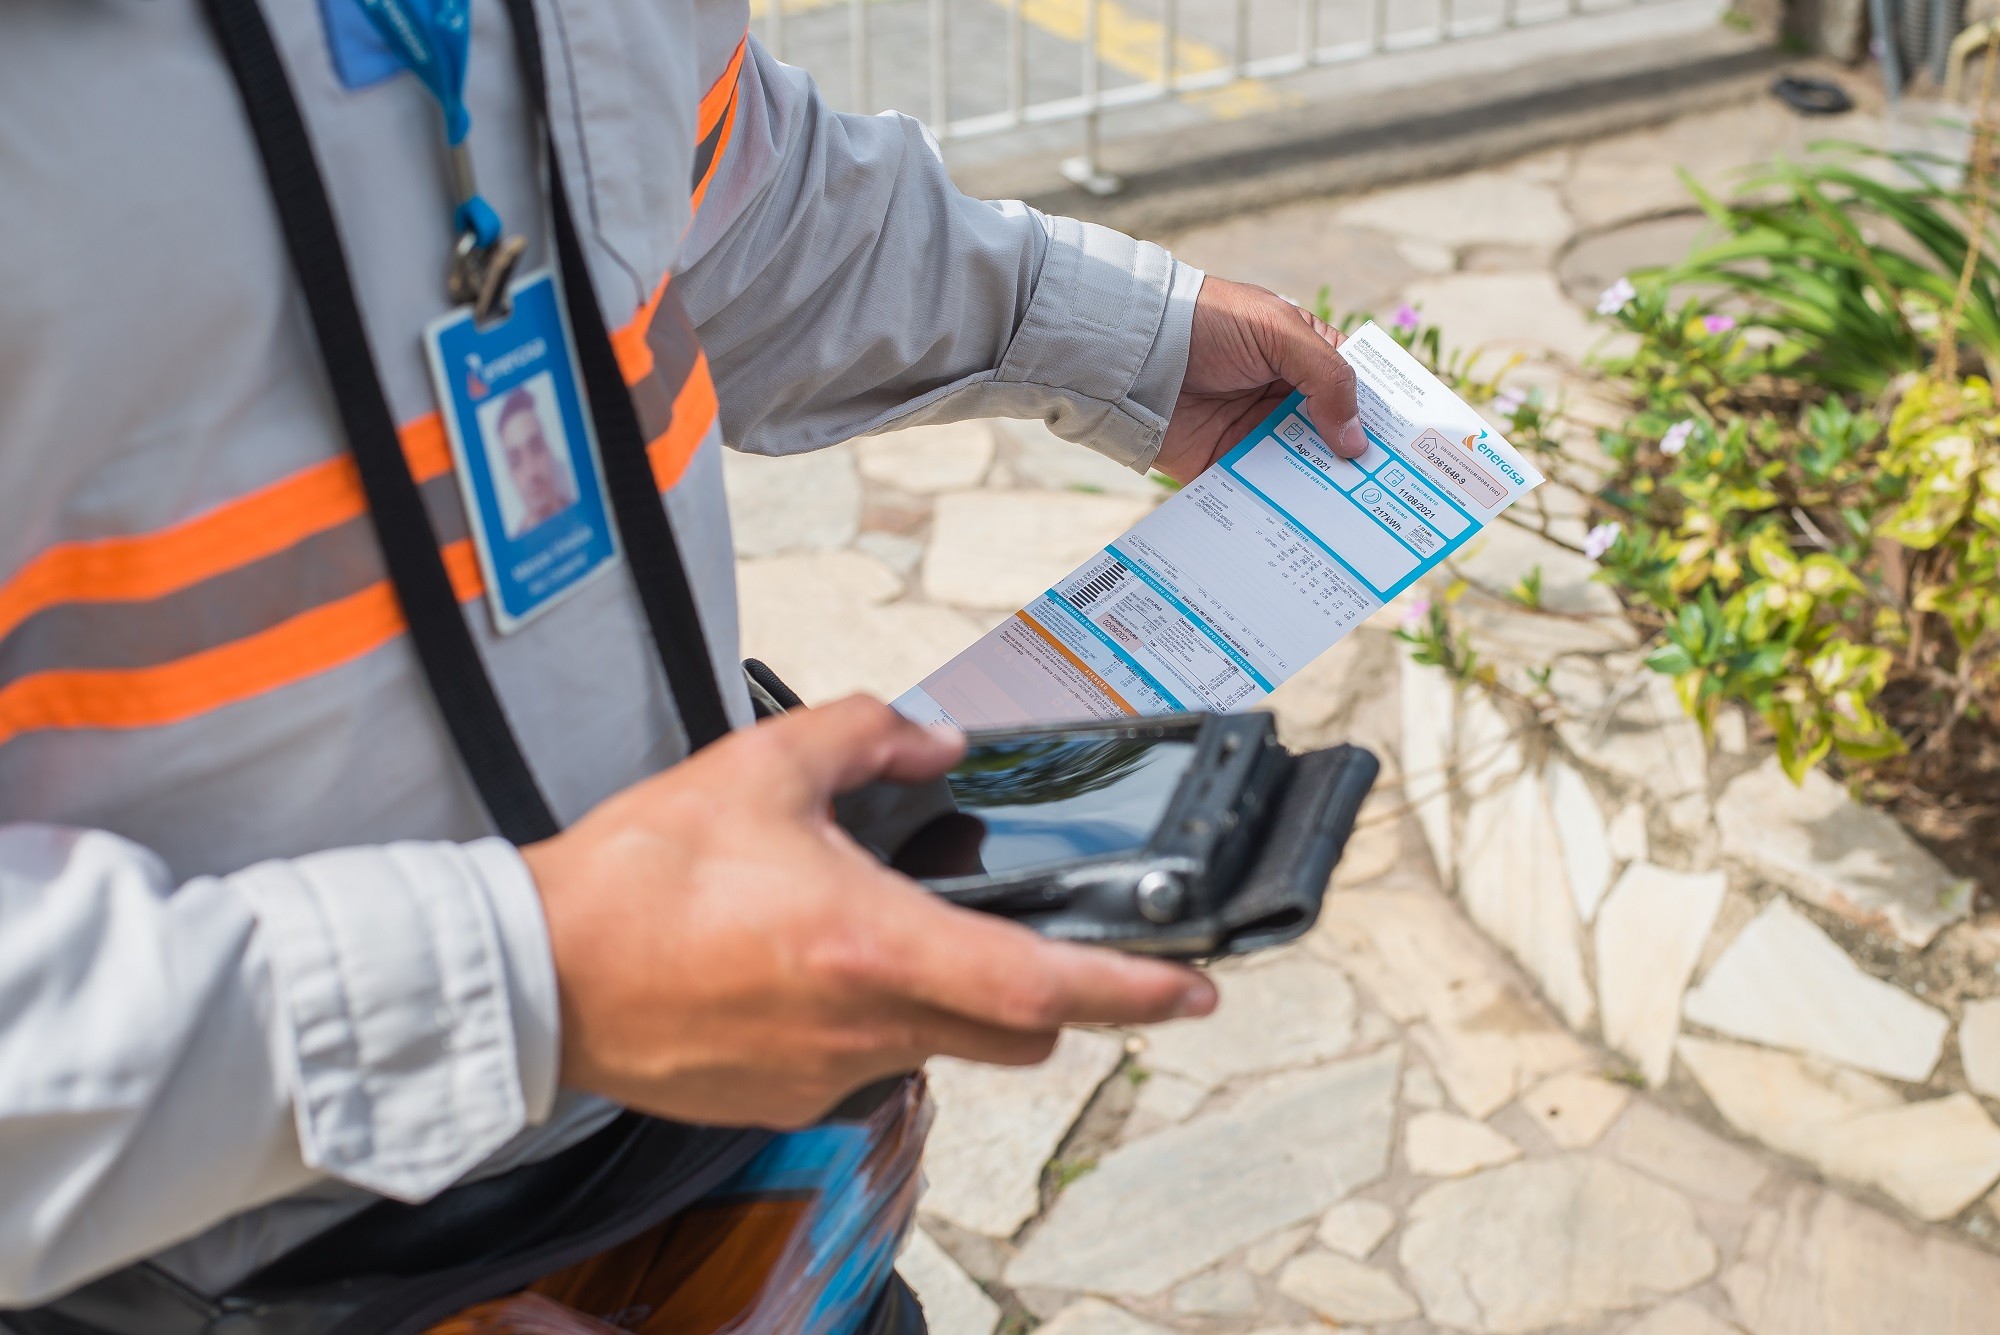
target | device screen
[{"x": 1046, "y": 800}]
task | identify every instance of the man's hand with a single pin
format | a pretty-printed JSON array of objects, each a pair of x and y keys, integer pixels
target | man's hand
[
  {"x": 727, "y": 955},
  {"x": 1249, "y": 349}
]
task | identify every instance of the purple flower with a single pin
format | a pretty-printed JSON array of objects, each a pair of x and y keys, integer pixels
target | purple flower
[
  {"x": 1718, "y": 324},
  {"x": 1677, "y": 435},
  {"x": 1414, "y": 614},
  {"x": 1405, "y": 317},
  {"x": 1600, "y": 539},
  {"x": 1509, "y": 402},
  {"x": 1615, "y": 298}
]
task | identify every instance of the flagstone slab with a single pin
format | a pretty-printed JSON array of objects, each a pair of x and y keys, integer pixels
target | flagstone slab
[
  {"x": 1294, "y": 1012},
  {"x": 1266, "y": 1255},
  {"x": 1164, "y": 1208},
  {"x": 950, "y": 456},
  {"x": 1979, "y": 1046},
  {"x": 1619, "y": 716},
  {"x": 1356, "y": 1228},
  {"x": 1934, "y": 1158},
  {"x": 999, "y": 549},
  {"x": 1428, "y": 701},
  {"x": 1821, "y": 1264},
  {"x": 832, "y": 623},
  {"x": 1345, "y": 1291},
  {"x": 1296, "y": 249},
  {"x": 1682, "y": 1316},
  {"x": 1036, "y": 458},
  {"x": 1666, "y": 1145},
  {"x": 1785, "y": 983},
  {"x": 954, "y": 1304},
  {"x": 1420, "y": 1085},
  {"x": 1829, "y": 850},
  {"x": 1094, "y": 1317},
  {"x": 1513, "y": 883},
  {"x": 793, "y": 502},
  {"x": 1486, "y": 1038},
  {"x": 1496, "y": 315},
  {"x": 1475, "y": 208},
  {"x": 1163, "y": 1099},
  {"x": 997, "y": 1126},
  {"x": 1586, "y": 846},
  {"x": 1226, "y": 1292},
  {"x": 1574, "y": 1109},
  {"x": 1649, "y": 935},
  {"x": 1437, "y": 1144},
  {"x": 1549, "y": 1242}
]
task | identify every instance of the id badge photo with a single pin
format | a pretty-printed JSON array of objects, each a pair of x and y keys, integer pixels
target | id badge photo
[{"x": 525, "y": 451}]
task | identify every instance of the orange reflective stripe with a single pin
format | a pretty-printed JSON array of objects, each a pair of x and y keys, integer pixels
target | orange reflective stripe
[
  {"x": 721, "y": 93},
  {"x": 718, "y": 108},
  {"x": 308, "y": 644},
  {"x": 461, "y": 565},
  {"x": 253, "y": 526},
  {"x": 694, "y": 410},
  {"x": 274, "y": 518},
  {"x": 635, "y": 357},
  {"x": 130, "y": 568},
  {"x": 425, "y": 447}
]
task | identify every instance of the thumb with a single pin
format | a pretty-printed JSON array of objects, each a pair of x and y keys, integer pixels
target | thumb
[
  {"x": 833, "y": 749},
  {"x": 1303, "y": 350}
]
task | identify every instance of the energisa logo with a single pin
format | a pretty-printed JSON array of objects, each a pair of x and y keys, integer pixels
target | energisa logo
[
  {"x": 1477, "y": 443},
  {"x": 480, "y": 373}
]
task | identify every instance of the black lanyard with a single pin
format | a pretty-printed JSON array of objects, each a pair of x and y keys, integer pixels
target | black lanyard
[{"x": 444, "y": 645}]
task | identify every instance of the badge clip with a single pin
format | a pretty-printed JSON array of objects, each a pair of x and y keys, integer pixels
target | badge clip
[
  {"x": 480, "y": 275},
  {"x": 482, "y": 264}
]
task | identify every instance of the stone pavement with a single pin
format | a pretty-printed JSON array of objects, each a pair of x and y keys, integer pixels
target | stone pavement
[{"x": 1390, "y": 1125}]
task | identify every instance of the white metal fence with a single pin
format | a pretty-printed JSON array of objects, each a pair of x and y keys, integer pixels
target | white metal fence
[{"x": 992, "y": 66}]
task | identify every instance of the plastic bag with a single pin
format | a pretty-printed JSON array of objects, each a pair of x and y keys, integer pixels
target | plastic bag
[{"x": 799, "y": 1241}]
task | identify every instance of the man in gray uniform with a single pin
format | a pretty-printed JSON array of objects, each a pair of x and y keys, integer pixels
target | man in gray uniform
[{"x": 264, "y": 958}]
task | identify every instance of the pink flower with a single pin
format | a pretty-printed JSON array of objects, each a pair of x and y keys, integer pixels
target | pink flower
[
  {"x": 1413, "y": 616},
  {"x": 1616, "y": 297},
  {"x": 1600, "y": 540},
  {"x": 1509, "y": 402},
  {"x": 1677, "y": 435},
  {"x": 1718, "y": 324},
  {"x": 1405, "y": 317}
]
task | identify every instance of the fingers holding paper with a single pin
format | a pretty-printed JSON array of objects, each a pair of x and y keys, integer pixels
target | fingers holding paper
[{"x": 1247, "y": 351}]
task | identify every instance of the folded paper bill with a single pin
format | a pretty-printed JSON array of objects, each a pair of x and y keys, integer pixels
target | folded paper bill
[{"x": 1254, "y": 569}]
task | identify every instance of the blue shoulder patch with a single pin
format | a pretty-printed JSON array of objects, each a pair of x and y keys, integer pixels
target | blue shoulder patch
[{"x": 360, "y": 57}]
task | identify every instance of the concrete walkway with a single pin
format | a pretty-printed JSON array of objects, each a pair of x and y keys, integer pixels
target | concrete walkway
[{"x": 1384, "y": 1127}]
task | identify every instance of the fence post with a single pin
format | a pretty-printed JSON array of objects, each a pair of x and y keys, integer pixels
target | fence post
[
  {"x": 1084, "y": 171},
  {"x": 857, "y": 55},
  {"x": 941, "y": 69}
]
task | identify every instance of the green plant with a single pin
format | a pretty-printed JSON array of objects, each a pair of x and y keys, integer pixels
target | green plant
[
  {"x": 1435, "y": 642},
  {"x": 1849, "y": 260},
  {"x": 1809, "y": 519},
  {"x": 1802, "y": 504}
]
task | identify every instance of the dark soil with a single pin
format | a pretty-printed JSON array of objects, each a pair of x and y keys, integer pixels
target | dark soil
[{"x": 1947, "y": 797}]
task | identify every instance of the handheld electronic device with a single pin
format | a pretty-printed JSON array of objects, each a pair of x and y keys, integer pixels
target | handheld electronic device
[{"x": 1188, "y": 836}]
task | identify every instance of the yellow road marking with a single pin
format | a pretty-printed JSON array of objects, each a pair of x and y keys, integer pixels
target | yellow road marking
[
  {"x": 1125, "y": 41},
  {"x": 1132, "y": 45}
]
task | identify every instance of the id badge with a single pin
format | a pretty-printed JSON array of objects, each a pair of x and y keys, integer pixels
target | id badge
[{"x": 525, "y": 451}]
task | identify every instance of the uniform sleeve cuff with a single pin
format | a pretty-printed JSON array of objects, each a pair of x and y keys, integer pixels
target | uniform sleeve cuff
[
  {"x": 1107, "y": 331},
  {"x": 417, "y": 1003}
]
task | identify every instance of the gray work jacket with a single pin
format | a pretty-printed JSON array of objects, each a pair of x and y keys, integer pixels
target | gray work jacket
[{"x": 260, "y": 958}]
